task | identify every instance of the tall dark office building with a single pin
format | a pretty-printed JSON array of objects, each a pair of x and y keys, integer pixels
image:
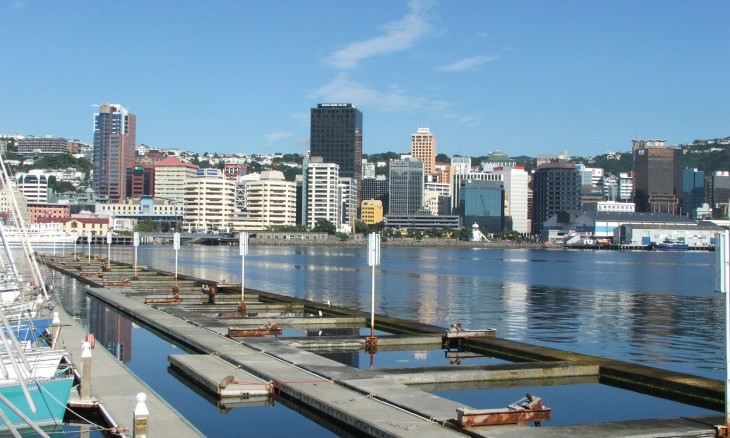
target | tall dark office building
[
  {"x": 555, "y": 188},
  {"x": 115, "y": 133},
  {"x": 717, "y": 193},
  {"x": 693, "y": 191},
  {"x": 657, "y": 177},
  {"x": 336, "y": 136}
]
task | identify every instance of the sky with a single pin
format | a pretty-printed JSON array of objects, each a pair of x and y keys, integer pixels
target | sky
[{"x": 523, "y": 77}]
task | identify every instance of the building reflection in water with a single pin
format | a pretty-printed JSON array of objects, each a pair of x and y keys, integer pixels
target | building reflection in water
[{"x": 111, "y": 329}]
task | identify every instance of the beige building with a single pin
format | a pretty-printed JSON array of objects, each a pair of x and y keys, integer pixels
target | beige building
[
  {"x": 83, "y": 226},
  {"x": 372, "y": 211},
  {"x": 170, "y": 177},
  {"x": 423, "y": 147},
  {"x": 210, "y": 201}
]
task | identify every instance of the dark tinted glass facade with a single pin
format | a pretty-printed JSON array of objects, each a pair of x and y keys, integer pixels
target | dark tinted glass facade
[
  {"x": 336, "y": 136},
  {"x": 555, "y": 188}
]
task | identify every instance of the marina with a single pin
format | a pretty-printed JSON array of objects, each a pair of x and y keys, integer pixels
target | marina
[{"x": 562, "y": 364}]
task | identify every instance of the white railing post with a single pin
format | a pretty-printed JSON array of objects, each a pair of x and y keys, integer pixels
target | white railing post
[
  {"x": 141, "y": 417},
  {"x": 86, "y": 371}
]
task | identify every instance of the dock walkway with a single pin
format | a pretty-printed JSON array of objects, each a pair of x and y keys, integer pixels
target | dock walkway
[
  {"x": 116, "y": 388},
  {"x": 376, "y": 403}
]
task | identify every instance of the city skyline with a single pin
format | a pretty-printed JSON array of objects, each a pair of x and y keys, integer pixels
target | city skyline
[{"x": 524, "y": 78}]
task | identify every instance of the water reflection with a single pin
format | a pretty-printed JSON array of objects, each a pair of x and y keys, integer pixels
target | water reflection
[{"x": 654, "y": 308}]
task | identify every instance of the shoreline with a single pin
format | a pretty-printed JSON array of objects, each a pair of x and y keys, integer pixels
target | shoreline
[{"x": 399, "y": 243}]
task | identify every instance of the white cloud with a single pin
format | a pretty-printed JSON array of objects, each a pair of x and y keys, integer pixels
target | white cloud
[
  {"x": 397, "y": 36},
  {"x": 467, "y": 63},
  {"x": 470, "y": 121},
  {"x": 273, "y": 137},
  {"x": 343, "y": 89}
]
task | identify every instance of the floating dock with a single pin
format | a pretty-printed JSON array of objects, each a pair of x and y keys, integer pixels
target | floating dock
[{"x": 383, "y": 402}]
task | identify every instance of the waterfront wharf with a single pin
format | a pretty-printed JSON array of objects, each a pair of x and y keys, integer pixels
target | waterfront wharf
[
  {"x": 387, "y": 402},
  {"x": 114, "y": 389}
]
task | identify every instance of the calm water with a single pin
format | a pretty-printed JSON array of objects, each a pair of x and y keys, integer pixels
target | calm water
[{"x": 653, "y": 308}]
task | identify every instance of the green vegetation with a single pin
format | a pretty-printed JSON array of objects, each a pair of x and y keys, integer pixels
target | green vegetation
[{"x": 324, "y": 226}]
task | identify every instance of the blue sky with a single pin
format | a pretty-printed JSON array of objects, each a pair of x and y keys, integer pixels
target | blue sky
[{"x": 524, "y": 77}]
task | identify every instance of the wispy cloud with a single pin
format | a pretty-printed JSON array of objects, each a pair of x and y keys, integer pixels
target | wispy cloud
[
  {"x": 273, "y": 137},
  {"x": 396, "y": 36},
  {"x": 466, "y": 64},
  {"x": 469, "y": 121},
  {"x": 343, "y": 89}
]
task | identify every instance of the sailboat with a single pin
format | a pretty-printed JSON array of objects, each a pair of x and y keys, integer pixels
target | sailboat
[{"x": 35, "y": 381}]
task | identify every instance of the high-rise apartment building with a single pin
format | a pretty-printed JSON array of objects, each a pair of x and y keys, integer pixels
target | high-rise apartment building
[
  {"x": 115, "y": 132},
  {"x": 210, "y": 201},
  {"x": 555, "y": 188},
  {"x": 405, "y": 187},
  {"x": 336, "y": 136},
  {"x": 657, "y": 177},
  {"x": 423, "y": 147},
  {"x": 271, "y": 200},
  {"x": 323, "y": 193}
]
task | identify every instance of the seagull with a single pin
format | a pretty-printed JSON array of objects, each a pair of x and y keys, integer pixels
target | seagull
[{"x": 328, "y": 302}]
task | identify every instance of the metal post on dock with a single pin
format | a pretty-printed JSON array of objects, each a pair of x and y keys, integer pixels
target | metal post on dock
[
  {"x": 722, "y": 284},
  {"x": 88, "y": 239},
  {"x": 75, "y": 237},
  {"x": 373, "y": 261},
  {"x": 243, "y": 249},
  {"x": 86, "y": 371},
  {"x": 140, "y": 417}
]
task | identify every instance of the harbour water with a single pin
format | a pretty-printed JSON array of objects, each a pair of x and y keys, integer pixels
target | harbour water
[{"x": 656, "y": 309}]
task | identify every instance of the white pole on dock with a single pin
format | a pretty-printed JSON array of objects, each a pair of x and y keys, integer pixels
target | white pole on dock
[
  {"x": 135, "y": 242},
  {"x": 88, "y": 239},
  {"x": 176, "y": 247},
  {"x": 722, "y": 284},
  {"x": 243, "y": 249},
  {"x": 373, "y": 260},
  {"x": 109, "y": 247},
  {"x": 75, "y": 237}
]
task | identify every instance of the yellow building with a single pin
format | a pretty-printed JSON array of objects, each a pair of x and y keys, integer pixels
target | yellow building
[{"x": 372, "y": 212}]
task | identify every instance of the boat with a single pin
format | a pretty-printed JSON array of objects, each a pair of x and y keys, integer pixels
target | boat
[
  {"x": 42, "y": 234},
  {"x": 670, "y": 244},
  {"x": 35, "y": 381}
]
